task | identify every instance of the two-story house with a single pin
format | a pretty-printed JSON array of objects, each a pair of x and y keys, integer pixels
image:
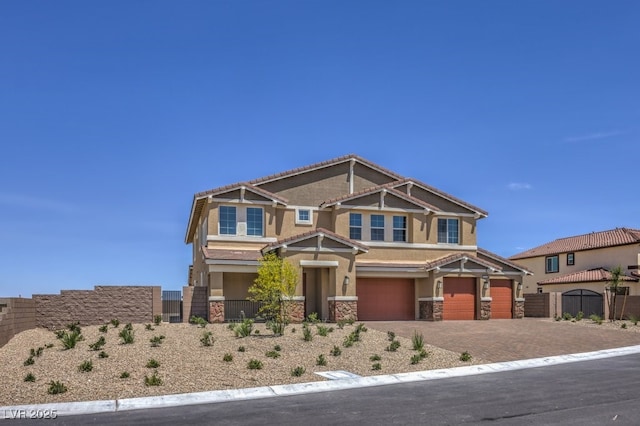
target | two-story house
[
  {"x": 368, "y": 243},
  {"x": 579, "y": 268}
]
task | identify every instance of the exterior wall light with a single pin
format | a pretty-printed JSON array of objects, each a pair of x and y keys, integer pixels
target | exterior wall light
[
  {"x": 439, "y": 285},
  {"x": 485, "y": 278},
  {"x": 346, "y": 280}
]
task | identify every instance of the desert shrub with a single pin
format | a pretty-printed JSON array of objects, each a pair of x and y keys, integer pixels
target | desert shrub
[
  {"x": 375, "y": 357},
  {"x": 322, "y": 330},
  {"x": 49, "y": 345},
  {"x": 103, "y": 354},
  {"x": 307, "y": 335},
  {"x": 391, "y": 336},
  {"x": 103, "y": 328},
  {"x": 86, "y": 366},
  {"x": 313, "y": 318},
  {"x": 298, "y": 371},
  {"x": 567, "y": 316},
  {"x": 153, "y": 380},
  {"x": 465, "y": 356},
  {"x": 244, "y": 328},
  {"x": 254, "y": 364},
  {"x": 157, "y": 340},
  {"x": 70, "y": 339},
  {"x": 152, "y": 363},
  {"x": 558, "y": 318},
  {"x": 59, "y": 333},
  {"x": 277, "y": 348},
  {"x": 56, "y": 387},
  {"x": 273, "y": 354},
  {"x": 341, "y": 323},
  {"x": 596, "y": 318},
  {"x": 634, "y": 319},
  {"x": 115, "y": 323},
  {"x": 36, "y": 352},
  {"x": 149, "y": 327},
  {"x": 360, "y": 328},
  {"x": 336, "y": 351},
  {"x": 321, "y": 360},
  {"x": 29, "y": 361},
  {"x": 348, "y": 341},
  {"x": 207, "y": 338},
  {"x": 199, "y": 321},
  {"x": 127, "y": 335},
  {"x": 579, "y": 316},
  {"x": 424, "y": 354},
  {"x": 227, "y": 357},
  {"x": 241, "y": 349},
  {"x": 418, "y": 341},
  {"x": 416, "y": 359},
  {"x": 124, "y": 375},
  {"x": 98, "y": 344},
  {"x": 376, "y": 366},
  {"x": 623, "y": 325},
  {"x": 157, "y": 319},
  {"x": 393, "y": 346},
  {"x": 74, "y": 327},
  {"x": 29, "y": 377}
]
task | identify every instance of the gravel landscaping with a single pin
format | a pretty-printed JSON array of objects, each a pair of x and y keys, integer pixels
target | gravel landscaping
[{"x": 186, "y": 365}]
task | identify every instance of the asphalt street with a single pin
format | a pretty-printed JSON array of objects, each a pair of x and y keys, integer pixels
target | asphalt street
[{"x": 596, "y": 392}]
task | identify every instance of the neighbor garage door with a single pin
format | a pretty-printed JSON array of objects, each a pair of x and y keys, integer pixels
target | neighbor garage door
[
  {"x": 385, "y": 299},
  {"x": 459, "y": 299},
  {"x": 501, "y": 299}
]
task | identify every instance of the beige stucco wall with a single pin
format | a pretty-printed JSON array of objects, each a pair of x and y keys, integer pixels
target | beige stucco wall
[
  {"x": 587, "y": 259},
  {"x": 236, "y": 285}
]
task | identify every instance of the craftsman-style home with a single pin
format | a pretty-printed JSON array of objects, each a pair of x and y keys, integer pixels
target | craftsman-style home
[{"x": 369, "y": 244}]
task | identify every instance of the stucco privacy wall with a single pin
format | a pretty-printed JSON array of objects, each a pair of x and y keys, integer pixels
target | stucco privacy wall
[
  {"x": 543, "y": 305},
  {"x": 16, "y": 315},
  {"x": 195, "y": 301},
  {"x": 98, "y": 306}
]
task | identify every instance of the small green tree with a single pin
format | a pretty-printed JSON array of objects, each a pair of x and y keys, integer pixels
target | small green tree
[
  {"x": 614, "y": 283},
  {"x": 275, "y": 287}
]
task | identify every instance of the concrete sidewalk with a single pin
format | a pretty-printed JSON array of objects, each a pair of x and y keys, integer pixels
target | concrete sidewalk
[{"x": 510, "y": 340}]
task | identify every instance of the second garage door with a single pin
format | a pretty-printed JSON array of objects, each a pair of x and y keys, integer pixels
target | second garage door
[
  {"x": 385, "y": 299},
  {"x": 459, "y": 298},
  {"x": 501, "y": 299}
]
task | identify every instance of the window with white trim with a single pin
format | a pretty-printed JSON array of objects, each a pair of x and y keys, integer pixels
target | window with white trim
[
  {"x": 304, "y": 216},
  {"x": 241, "y": 221},
  {"x": 355, "y": 226},
  {"x": 551, "y": 264},
  {"x": 377, "y": 227},
  {"x": 448, "y": 231},
  {"x": 400, "y": 228}
]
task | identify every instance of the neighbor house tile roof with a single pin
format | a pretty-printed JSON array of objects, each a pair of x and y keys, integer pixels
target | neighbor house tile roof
[
  {"x": 314, "y": 233},
  {"x": 498, "y": 258},
  {"x": 594, "y": 240},
  {"x": 219, "y": 254},
  {"x": 586, "y": 276}
]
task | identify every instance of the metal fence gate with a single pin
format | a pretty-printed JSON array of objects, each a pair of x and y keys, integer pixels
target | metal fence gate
[
  {"x": 171, "y": 306},
  {"x": 587, "y": 301}
]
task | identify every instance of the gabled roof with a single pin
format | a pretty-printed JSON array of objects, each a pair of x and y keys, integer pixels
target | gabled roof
[
  {"x": 388, "y": 188},
  {"x": 501, "y": 260},
  {"x": 218, "y": 254},
  {"x": 456, "y": 257},
  {"x": 200, "y": 198},
  {"x": 319, "y": 232},
  {"x": 594, "y": 240},
  {"x": 435, "y": 191},
  {"x": 586, "y": 276},
  {"x": 323, "y": 164}
]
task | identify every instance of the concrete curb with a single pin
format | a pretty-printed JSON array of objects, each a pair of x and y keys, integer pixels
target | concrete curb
[{"x": 109, "y": 406}]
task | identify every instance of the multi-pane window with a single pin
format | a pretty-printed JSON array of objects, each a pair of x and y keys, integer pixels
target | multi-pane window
[
  {"x": 254, "y": 221},
  {"x": 304, "y": 215},
  {"x": 400, "y": 228},
  {"x": 377, "y": 227},
  {"x": 227, "y": 220},
  {"x": 552, "y": 264},
  {"x": 448, "y": 231},
  {"x": 355, "y": 226},
  {"x": 571, "y": 259}
]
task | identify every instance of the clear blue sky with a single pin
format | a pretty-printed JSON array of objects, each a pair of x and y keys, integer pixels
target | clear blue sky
[{"x": 113, "y": 114}]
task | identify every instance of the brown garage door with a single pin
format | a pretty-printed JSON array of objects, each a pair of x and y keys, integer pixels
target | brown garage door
[
  {"x": 501, "y": 299},
  {"x": 459, "y": 298},
  {"x": 385, "y": 299}
]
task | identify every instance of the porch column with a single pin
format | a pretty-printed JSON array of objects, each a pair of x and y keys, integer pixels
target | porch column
[{"x": 431, "y": 308}]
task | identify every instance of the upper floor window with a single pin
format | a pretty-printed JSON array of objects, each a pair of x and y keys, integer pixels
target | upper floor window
[
  {"x": 355, "y": 226},
  {"x": 227, "y": 220},
  {"x": 571, "y": 259},
  {"x": 303, "y": 217},
  {"x": 551, "y": 264},
  {"x": 241, "y": 221},
  {"x": 399, "y": 228},
  {"x": 448, "y": 231},
  {"x": 377, "y": 227}
]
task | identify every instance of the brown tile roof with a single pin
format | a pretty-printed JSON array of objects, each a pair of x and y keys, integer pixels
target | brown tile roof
[
  {"x": 326, "y": 163},
  {"x": 498, "y": 258},
  {"x": 386, "y": 187},
  {"x": 314, "y": 233},
  {"x": 594, "y": 240},
  {"x": 443, "y": 194},
  {"x": 445, "y": 260},
  {"x": 589, "y": 275},
  {"x": 218, "y": 254}
]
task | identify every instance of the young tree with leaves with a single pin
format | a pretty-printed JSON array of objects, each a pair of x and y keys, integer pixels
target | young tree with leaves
[{"x": 275, "y": 287}]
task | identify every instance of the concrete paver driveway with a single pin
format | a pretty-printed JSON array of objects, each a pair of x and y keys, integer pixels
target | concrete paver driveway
[{"x": 509, "y": 340}]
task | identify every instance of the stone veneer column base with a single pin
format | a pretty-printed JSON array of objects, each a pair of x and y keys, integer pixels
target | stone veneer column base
[
  {"x": 431, "y": 309},
  {"x": 518, "y": 311},
  {"x": 216, "y": 310},
  {"x": 343, "y": 310},
  {"x": 295, "y": 309},
  {"x": 485, "y": 309}
]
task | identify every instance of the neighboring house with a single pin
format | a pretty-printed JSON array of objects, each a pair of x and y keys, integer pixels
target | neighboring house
[
  {"x": 579, "y": 268},
  {"x": 369, "y": 245}
]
